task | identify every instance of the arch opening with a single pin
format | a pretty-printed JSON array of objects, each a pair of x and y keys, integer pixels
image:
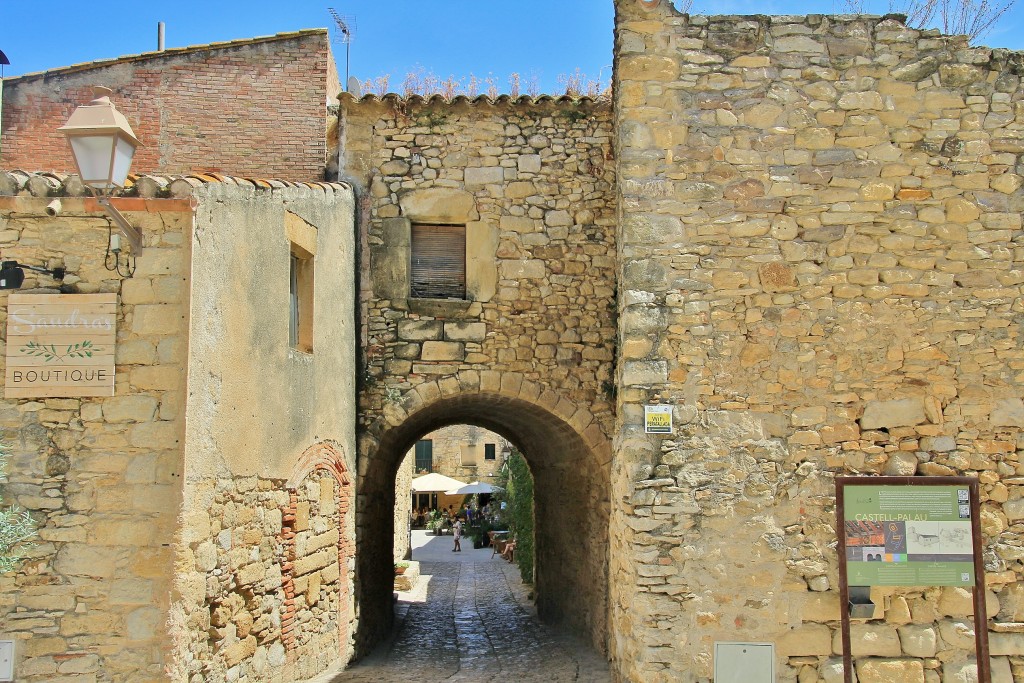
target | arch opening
[{"x": 571, "y": 509}]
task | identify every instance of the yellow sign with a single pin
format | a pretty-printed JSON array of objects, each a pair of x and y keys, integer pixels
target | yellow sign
[
  {"x": 60, "y": 345},
  {"x": 658, "y": 419}
]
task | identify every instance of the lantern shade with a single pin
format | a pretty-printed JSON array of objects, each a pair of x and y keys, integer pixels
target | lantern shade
[{"x": 102, "y": 142}]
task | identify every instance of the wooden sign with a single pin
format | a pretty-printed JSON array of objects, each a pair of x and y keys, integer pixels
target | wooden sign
[{"x": 60, "y": 345}]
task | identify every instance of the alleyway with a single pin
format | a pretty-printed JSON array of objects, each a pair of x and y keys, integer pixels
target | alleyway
[{"x": 467, "y": 620}]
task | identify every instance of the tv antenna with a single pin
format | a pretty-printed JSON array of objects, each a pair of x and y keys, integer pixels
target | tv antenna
[{"x": 343, "y": 34}]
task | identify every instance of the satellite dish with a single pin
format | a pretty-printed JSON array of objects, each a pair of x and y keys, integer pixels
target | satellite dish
[
  {"x": 355, "y": 88},
  {"x": 3, "y": 58}
]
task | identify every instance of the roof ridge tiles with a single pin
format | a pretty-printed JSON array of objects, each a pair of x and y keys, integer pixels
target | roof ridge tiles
[{"x": 18, "y": 182}]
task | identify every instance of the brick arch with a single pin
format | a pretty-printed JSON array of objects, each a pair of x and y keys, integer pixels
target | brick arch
[
  {"x": 329, "y": 457},
  {"x": 569, "y": 454}
]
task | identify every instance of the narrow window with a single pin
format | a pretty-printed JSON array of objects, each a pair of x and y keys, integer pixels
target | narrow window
[
  {"x": 489, "y": 451},
  {"x": 469, "y": 454},
  {"x": 424, "y": 456},
  {"x": 300, "y": 300},
  {"x": 438, "y": 262}
]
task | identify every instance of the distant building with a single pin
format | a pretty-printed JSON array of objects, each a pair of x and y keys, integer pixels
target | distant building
[{"x": 248, "y": 108}]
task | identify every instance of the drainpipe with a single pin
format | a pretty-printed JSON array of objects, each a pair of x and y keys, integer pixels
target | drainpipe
[{"x": 3, "y": 62}]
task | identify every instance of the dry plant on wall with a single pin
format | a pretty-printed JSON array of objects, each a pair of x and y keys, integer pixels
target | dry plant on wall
[
  {"x": 971, "y": 18},
  {"x": 425, "y": 83}
]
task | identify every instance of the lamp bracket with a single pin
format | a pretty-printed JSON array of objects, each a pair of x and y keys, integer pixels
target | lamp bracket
[{"x": 132, "y": 233}]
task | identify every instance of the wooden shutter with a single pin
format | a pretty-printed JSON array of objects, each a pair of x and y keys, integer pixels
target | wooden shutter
[{"x": 438, "y": 262}]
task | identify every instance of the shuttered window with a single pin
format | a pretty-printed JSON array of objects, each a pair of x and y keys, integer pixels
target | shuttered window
[
  {"x": 425, "y": 456},
  {"x": 438, "y": 262}
]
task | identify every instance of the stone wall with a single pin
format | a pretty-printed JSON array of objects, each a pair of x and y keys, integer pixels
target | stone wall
[
  {"x": 224, "y": 549},
  {"x": 532, "y": 183},
  {"x": 255, "y": 108},
  {"x": 459, "y": 452},
  {"x": 820, "y": 248},
  {"x": 100, "y": 475}
]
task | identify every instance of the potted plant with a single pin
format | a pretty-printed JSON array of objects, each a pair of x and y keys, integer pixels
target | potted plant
[
  {"x": 435, "y": 522},
  {"x": 400, "y": 568}
]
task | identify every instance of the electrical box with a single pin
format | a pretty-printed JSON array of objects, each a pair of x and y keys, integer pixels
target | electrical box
[
  {"x": 744, "y": 663},
  {"x": 6, "y": 660}
]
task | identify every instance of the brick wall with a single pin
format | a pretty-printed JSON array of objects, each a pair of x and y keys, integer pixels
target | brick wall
[{"x": 252, "y": 108}]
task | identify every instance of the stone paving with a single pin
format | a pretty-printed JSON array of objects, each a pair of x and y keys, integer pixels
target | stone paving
[{"x": 470, "y": 619}]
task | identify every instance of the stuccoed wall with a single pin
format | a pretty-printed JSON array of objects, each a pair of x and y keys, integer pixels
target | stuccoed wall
[
  {"x": 267, "y": 531},
  {"x": 821, "y": 267},
  {"x": 100, "y": 475}
]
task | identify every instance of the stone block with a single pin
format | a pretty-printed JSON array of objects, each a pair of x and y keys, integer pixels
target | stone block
[
  {"x": 807, "y": 640},
  {"x": 156, "y": 377},
  {"x": 319, "y": 560},
  {"x": 776, "y": 276},
  {"x": 440, "y": 204},
  {"x": 1006, "y": 644},
  {"x": 522, "y": 269},
  {"x": 644, "y": 373},
  {"x": 528, "y": 163},
  {"x": 899, "y": 413},
  {"x": 157, "y": 319},
  {"x": 420, "y": 330},
  {"x": 155, "y": 435},
  {"x": 478, "y": 176},
  {"x": 871, "y": 640},
  {"x": 136, "y": 408},
  {"x": 808, "y": 415},
  {"x": 1008, "y": 412},
  {"x": 80, "y": 560},
  {"x": 918, "y": 640},
  {"x": 890, "y": 670},
  {"x": 520, "y": 190},
  {"x": 442, "y": 351},
  {"x": 648, "y": 68},
  {"x": 461, "y": 331}
]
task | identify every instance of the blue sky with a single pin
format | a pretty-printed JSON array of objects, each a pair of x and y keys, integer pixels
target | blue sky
[{"x": 539, "y": 39}]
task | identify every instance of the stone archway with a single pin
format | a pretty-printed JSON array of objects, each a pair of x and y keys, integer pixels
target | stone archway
[{"x": 570, "y": 457}]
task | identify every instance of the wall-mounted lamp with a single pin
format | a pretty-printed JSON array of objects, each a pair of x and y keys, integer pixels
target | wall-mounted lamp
[
  {"x": 103, "y": 145},
  {"x": 12, "y": 273}
]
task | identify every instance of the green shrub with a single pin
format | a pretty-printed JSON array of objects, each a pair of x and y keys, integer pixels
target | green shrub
[
  {"x": 519, "y": 493},
  {"x": 16, "y": 526}
]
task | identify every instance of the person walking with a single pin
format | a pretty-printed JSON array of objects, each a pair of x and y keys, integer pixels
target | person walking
[{"x": 457, "y": 533}]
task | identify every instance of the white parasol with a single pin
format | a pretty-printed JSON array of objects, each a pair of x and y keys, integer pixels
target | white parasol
[
  {"x": 434, "y": 483},
  {"x": 474, "y": 487}
]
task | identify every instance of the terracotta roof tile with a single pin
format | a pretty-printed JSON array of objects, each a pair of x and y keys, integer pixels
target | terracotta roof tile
[
  {"x": 561, "y": 101},
  {"x": 43, "y": 184}
]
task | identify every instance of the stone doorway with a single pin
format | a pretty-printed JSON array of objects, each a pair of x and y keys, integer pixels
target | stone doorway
[{"x": 569, "y": 457}]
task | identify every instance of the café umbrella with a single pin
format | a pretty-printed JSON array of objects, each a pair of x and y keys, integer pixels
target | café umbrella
[
  {"x": 474, "y": 487},
  {"x": 435, "y": 483}
]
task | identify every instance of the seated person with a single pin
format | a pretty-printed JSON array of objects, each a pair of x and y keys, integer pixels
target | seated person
[{"x": 510, "y": 551}]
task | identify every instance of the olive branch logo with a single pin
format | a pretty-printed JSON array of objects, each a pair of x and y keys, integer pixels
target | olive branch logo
[{"x": 49, "y": 352}]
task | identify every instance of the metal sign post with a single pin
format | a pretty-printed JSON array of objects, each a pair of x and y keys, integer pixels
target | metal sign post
[{"x": 909, "y": 531}]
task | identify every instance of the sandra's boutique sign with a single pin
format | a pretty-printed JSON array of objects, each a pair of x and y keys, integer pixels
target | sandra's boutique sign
[{"x": 60, "y": 345}]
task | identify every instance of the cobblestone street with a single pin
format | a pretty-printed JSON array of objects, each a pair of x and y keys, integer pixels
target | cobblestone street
[{"x": 471, "y": 620}]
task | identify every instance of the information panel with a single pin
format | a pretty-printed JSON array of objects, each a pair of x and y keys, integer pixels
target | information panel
[
  {"x": 658, "y": 419},
  {"x": 908, "y": 535}
]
